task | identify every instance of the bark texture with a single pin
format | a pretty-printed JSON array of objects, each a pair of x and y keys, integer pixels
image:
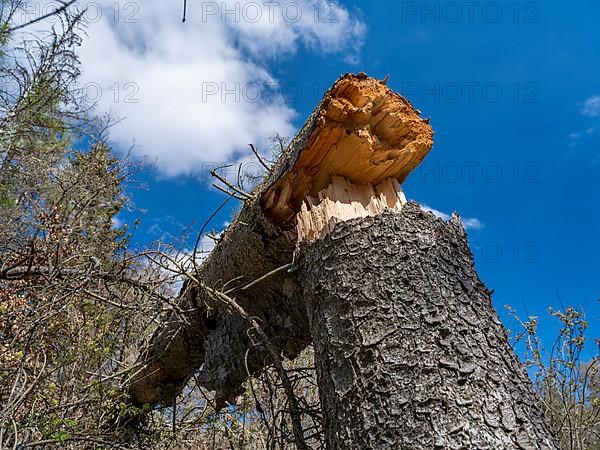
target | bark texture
[{"x": 410, "y": 352}]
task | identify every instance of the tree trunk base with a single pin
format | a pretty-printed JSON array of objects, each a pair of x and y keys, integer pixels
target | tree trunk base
[{"x": 409, "y": 350}]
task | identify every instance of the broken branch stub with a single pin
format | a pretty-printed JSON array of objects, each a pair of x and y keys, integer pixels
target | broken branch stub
[{"x": 347, "y": 161}]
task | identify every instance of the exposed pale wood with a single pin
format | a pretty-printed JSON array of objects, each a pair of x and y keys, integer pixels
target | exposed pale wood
[
  {"x": 343, "y": 200},
  {"x": 362, "y": 131}
]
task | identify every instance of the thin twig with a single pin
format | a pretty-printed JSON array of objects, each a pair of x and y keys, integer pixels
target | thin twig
[
  {"x": 231, "y": 194},
  {"x": 260, "y": 158},
  {"x": 240, "y": 182},
  {"x": 212, "y": 235},
  {"x": 229, "y": 185},
  {"x": 199, "y": 238},
  {"x": 174, "y": 412},
  {"x": 45, "y": 16},
  {"x": 258, "y": 280},
  {"x": 287, "y": 385}
]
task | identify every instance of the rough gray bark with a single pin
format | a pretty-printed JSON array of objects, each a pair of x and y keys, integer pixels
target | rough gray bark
[
  {"x": 410, "y": 352},
  {"x": 212, "y": 336}
]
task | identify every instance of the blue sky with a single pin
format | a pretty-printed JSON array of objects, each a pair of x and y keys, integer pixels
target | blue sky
[{"x": 512, "y": 89}]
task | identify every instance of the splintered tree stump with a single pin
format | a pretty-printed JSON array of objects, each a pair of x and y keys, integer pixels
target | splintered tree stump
[{"x": 409, "y": 351}]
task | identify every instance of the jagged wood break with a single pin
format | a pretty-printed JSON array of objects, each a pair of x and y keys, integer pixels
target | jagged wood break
[
  {"x": 343, "y": 200},
  {"x": 361, "y": 131}
]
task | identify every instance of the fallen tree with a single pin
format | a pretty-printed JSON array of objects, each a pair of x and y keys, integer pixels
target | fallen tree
[{"x": 408, "y": 348}]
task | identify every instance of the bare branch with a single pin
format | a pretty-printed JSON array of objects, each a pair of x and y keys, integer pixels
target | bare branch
[
  {"x": 55, "y": 12},
  {"x": 223, "y": 180},
  {"x": 260, "y": 158}
]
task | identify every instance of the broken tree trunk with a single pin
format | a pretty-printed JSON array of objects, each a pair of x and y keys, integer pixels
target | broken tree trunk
[
  {"x": 408, "y": 348},
  {"x": 361, "y": 130}
]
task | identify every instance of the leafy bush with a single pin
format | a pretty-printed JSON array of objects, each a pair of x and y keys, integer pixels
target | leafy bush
[{"x": 568, "y": 385}]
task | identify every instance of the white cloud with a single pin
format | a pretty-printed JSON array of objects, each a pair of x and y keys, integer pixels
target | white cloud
[
  {"x": 200, "y": 92},
  {"x": 116, "y": 222},
  {"x": 469, "y": 223},
  {"x": 591, "y": 107},
  {"x": 435, "y": 212},
  {"x": 472, "y": 223},
  {"x": 274, "y": 28}
]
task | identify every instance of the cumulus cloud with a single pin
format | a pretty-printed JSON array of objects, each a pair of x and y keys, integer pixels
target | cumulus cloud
[
  {"x": 272, "y": 28},
  {"x": 471, "y": 223},
  {"x": 435, "y": 212},
  {"x": 591, "y": 107},
  {"x": 198, "y": 93},
  {"x": 116, "y": 222}
]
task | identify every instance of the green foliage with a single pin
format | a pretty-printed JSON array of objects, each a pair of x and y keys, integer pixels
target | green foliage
[
  {"x": 4, "y": 35},
  {"x": 73, "y": 301},
  {"x": 568, "y": 385},
  {"x": 6, "y": 197}
]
